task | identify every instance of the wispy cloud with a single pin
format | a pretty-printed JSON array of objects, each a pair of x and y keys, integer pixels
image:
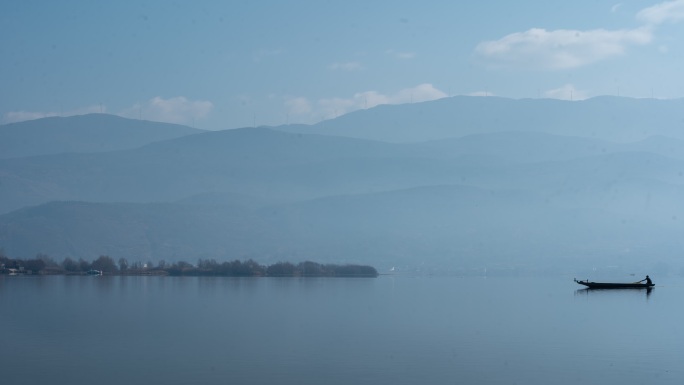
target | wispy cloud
[
  {"x": 298, "y": 106},
  {"x": 668, "y": 11},
  {"x": 368, "y": 99},
  {"x": 20, "y": 116},
  {"x": 334, "y": 107},
  {"x": 401, "y": 55},
  {"x": 559, "y": 49},
  {"x": 327, "y": 108},
  {"x": 178, "y": 110},
  {"x": 347, "y": 66},
  {"x": 566, "y": 92},
  {"x": 564, "y": 49}
]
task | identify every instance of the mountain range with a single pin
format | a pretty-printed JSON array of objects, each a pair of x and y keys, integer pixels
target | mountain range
[
  {"x": 617, "y": 119},
  {"x": 83, "y": 133},
  {"x": 536, "y": 184}
]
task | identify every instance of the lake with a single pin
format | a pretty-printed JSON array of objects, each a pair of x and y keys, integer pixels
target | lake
[{"x": 387, "y": 330}]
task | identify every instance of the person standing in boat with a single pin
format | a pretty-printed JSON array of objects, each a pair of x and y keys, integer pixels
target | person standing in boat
[{"x": 648, "y": 280}]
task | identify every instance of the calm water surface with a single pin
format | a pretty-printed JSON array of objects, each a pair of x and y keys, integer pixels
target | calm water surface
[{"x": 389, "y": 330}]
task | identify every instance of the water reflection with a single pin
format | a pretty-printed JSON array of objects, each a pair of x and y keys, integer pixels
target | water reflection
[
  {"x": 631, "y": 291},
  {"x": 398, "y": 330}
]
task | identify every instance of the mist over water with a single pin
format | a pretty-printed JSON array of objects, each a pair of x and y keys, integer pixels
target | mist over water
[
  {"x": 537, "y": 185},
  {"x": 389, "y": 330},
  {"x": 478, "y": 155}
]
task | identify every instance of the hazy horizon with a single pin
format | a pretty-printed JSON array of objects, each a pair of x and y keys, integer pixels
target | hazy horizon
[
  {"x": 454, "y": 186},
  {"x": 218, "y": 65},
  {"x": 327, "y": 192}
]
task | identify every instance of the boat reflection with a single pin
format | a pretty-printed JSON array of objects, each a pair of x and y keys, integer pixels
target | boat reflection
[{"x": 635, "y": 290}]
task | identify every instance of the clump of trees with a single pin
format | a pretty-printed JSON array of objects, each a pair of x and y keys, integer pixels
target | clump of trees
[
  {"x": 43, "y": 264},
  {"x": 250, "y": 268},
  {"x": 28, "y": 266},
  {"x": 313, "y": 269}
]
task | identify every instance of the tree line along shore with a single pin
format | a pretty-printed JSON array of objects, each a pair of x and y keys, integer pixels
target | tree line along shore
[{"x": 105, "y": 265}]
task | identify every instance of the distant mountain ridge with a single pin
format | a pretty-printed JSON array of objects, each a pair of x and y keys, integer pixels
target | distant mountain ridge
[
  {"x": 273, "y": 166},
  {"x": 512, "y": 194},
  {"x": 253, "y": 161},
  {"x": 84, "y": 134},
  {"x": 452, "y": 226},
  {"x": 617, "y": 119}
]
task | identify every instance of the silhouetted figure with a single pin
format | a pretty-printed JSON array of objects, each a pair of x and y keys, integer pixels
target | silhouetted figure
[{"x": 648, "y": 280}]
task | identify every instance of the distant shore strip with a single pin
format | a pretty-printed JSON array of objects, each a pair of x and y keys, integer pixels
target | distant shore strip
[{"x": 104, "y": 265}]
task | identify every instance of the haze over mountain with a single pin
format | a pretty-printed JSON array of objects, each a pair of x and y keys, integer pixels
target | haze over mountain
[
  {"x": 610, "y": 118},
  {"x": 253, "y": 161},
  {"x": 83, "y": 133},
  {"x": 514, "y": 196}
]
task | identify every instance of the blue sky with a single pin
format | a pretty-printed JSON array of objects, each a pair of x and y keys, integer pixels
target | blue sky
[{"x": 228, "y": 64}]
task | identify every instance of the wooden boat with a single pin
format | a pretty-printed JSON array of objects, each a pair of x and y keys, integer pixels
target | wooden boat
[{"x": 608, "y": 285}]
